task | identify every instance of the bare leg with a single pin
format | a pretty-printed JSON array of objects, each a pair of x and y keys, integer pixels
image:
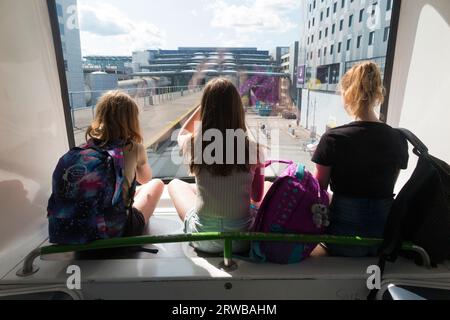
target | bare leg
[
  {"x": 267, "y": 186},
  {"x": 319, "y": 252},
  {"x": 148, "y": 197},
  {"x": 183, "y": 196},
  {"x": 138, "y": 190}
]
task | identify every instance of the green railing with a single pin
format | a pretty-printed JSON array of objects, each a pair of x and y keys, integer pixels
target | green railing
[{"x": 228, "y": 238}]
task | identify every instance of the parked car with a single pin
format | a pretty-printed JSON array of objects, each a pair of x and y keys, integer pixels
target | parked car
[{"x": 289, "y": 115}]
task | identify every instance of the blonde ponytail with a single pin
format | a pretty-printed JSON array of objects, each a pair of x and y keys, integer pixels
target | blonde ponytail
[{"x": 362, "y": 88}]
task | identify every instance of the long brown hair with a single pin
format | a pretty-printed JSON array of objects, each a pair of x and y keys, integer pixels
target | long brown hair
[
  {"x": 221, "y": 109},
  {"x": 116, "y": 119},
  {"x": 362, "y": 88}
]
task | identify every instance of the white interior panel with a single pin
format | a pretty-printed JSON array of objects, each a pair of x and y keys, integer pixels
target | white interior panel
[
  {"x": 421, "y": 78},
  {"x": 32, "y": 125}
]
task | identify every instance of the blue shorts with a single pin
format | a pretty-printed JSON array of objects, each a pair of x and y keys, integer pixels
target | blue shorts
[
  {"x": 196, "y": 224},
  {"x": 357, "y": 217}
]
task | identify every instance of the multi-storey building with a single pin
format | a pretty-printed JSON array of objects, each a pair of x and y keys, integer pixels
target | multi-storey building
[
  {"x": 278, "y": 52},
  {"x": 119, "y": 65},
  {"x": 70, "y": 39},
  {"x": 339, "y": 33},
  {"x": 289, "y": 65},
  {"x": 182, "y": 64},
  {"x": 285, "y": 62}
]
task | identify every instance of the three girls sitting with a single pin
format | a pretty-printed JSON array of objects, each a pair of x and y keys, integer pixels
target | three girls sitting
[{"x": 361, "y": 161}]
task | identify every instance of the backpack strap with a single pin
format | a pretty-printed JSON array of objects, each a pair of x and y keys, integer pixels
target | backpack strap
[
  {"x": 117, "y": 157},
  {"x": 301, "y": 171},
  {"x": 419, "y": 147},
  {"x": 132, "y": 192},
  {"x": 271, "y": 162}
]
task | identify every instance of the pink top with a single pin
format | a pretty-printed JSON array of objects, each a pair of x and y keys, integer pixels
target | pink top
[{"x": 258, "y": 184}]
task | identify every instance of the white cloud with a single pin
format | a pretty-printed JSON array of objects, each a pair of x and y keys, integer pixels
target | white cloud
[
  {"x": 94, "y": 24},
  {"x": 278, "y": 5},
  {"x": 258, "y": 16},
  {"x": 239, "y": 40},
  {"x": 105, "y": 30}
]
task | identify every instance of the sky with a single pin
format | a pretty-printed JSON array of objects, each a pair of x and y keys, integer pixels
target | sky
[{"x": 119, "y": 27}]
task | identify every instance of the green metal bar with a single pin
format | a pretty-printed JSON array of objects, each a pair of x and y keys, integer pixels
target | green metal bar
[
  {"x": 29, "y": 269},
  {"x": 131, "y": 242},
  {"x": 228, "y": 253},
  {"x": 237, "y": 236}
]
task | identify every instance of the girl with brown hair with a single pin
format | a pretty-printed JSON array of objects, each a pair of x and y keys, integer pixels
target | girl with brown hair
[{"x": 221, "y": 199}]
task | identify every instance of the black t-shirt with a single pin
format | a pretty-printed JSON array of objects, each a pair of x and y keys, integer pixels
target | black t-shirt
[{"x": 365, "y": 159}]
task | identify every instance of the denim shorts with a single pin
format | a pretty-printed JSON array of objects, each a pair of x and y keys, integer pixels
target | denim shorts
[
  {"x": 197, "y": 224},
  {"x": 357, "y": 217},
  {"x": 135, "y": 224}
]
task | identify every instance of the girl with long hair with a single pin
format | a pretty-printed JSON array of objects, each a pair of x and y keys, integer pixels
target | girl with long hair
[{"x": 228, "y": 174}]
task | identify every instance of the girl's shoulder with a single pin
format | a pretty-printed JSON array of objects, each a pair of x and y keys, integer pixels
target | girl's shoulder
[
  {"x": 135, "y": 150},
  {"x": 133, "y": 146}
]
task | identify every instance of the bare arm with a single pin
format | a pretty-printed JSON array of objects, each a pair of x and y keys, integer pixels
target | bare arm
[
  {"x": 189, "y": 126},
  {"x": 258, "y": 184},
  {"x": 144, "y": 172},
  {"x": 323, "y": 175}
]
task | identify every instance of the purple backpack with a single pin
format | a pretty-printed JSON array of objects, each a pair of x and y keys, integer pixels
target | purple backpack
[
  {"x": 87, "y": 203},
  {"x": 295, "y": 204}
]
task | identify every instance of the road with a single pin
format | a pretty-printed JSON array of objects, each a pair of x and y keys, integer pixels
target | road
[
  {"x": 166, "y": 162},
  {"x": 155, "y": 120},
  {"x": 283, "y": 144},
  {"x": 158, "y": 122}
]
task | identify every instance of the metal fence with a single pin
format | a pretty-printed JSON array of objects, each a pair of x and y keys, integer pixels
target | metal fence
[{"x": 144, "y": 96}]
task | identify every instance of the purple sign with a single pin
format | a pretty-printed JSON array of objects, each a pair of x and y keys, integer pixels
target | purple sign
[{"x": 301, "y": 75}]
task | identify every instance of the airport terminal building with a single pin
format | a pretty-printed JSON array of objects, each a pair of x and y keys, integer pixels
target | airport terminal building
[{"x": 183, "y": 64}]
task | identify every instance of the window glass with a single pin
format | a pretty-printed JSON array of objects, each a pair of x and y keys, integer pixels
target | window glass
[
  {"x": 371, "y": 38},
  {"x": 285, "y": 65}
]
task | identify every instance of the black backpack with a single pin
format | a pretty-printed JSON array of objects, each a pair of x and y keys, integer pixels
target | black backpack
[{"x": 421, "y": 212}]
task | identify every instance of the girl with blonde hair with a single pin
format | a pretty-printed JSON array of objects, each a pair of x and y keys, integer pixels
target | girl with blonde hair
[{"x": 361, "y": 161}]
